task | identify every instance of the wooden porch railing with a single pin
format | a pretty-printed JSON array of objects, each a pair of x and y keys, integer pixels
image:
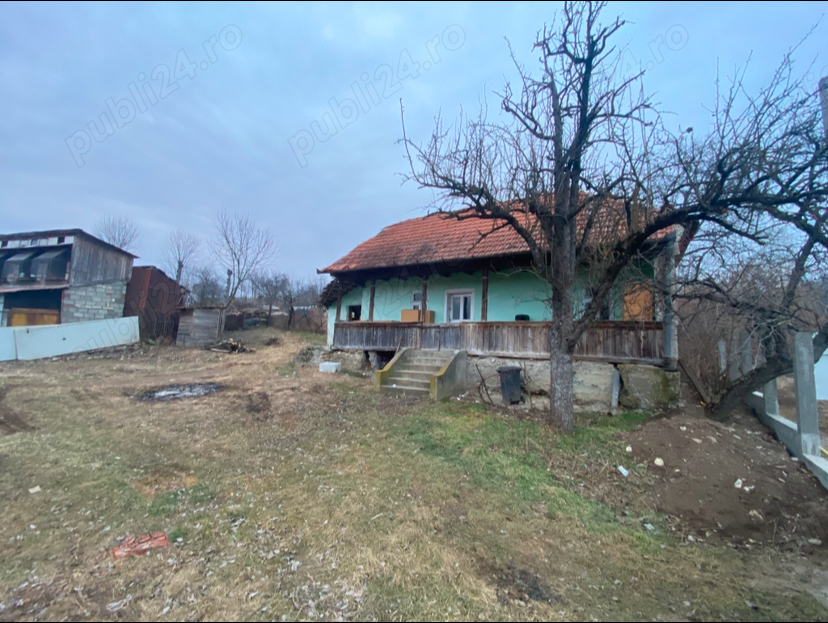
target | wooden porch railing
[{"x": 612, "y": 341}]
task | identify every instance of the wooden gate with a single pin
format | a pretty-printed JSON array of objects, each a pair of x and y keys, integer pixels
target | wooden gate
[{"x": 20, "y": 317}]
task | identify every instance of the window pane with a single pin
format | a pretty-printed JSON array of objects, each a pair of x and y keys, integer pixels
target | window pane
[
  {"x": 467, "y": 307},
  {"x": 455, "y": 308}
]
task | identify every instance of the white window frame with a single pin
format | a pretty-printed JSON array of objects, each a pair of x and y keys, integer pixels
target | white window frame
[
  {"x": 416, "y": 304},
  {"x": 449, "y": 294}
]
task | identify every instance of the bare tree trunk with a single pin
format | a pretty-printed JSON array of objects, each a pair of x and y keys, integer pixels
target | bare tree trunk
[
  {"x": 781, "y": 363},
  {"x": 743, "y": 387},
  {"x": 561, "y": 376},
  {"x": 562, "y": 372}
]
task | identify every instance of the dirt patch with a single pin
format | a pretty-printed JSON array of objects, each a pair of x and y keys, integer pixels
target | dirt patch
[
  {"x": 165, "y": 478},
  {"x": 175, "y": 392},
  {"x": 516, "y": 584},
  {"x": 733, "y": 481},
  {"x": 10, "y": 421},
  {"x": 258, "y": 405}
]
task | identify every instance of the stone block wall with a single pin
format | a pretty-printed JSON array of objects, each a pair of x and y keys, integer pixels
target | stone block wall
[
  {"x": 96, "y": 302},
  {"x": 642, "y": 386}
]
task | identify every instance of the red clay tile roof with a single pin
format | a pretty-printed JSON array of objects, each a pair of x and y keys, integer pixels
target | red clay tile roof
[
  {"x": 428, "y": 239},
  {"x": 439, "y": 238}
]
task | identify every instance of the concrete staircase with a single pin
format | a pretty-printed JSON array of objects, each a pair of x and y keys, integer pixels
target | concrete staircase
[{"x": 411, "y": 372}]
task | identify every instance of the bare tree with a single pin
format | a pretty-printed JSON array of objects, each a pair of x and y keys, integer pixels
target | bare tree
[
  {"x": 181, "y": 252},
  {"x": 241, "y": 247},
  {"x": 206, "y": 290},
  {"x": 585, "y": 172},
  {"x": 270, "y": 287},
  {"x": 308, "y": 291},
  {"x": 118, "y": 230}
]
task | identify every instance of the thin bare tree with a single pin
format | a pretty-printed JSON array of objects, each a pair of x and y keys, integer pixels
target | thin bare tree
[
  {"x": 118, "y": 230},
  {"x": 586, "y": 173},
  {"x": 242, "y": 248},
  {"x": 181, "y": 252},
  {"x": 270, "y": 287},
  {"x": 206, "y": 289}
]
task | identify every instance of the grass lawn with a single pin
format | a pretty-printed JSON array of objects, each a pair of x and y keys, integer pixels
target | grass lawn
[{"x": 294, "y": 495}]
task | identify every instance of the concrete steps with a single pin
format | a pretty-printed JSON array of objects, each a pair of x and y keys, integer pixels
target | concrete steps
[{"x": 412, "y": 374}]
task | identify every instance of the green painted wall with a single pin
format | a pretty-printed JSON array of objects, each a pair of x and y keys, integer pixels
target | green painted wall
[
  {"x": 518, "y": 292},
  {"x": 392, "y": 297}
]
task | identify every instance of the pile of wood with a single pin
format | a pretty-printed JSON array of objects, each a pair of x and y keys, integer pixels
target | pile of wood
[{"x": 231, "y": 346}]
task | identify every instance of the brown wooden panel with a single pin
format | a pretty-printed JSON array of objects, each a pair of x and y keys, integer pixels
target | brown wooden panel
[
  {"x": 20, "y": 317},
  {"x": 638, "y": 302},
  {"x": 633, "y": 341}
]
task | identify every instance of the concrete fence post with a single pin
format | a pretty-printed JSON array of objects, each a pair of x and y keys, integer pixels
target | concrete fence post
[
  {"x": 771, "y": 398},
  {"x": 807, "y": 414},
  {"x": 722, "y": 356}
]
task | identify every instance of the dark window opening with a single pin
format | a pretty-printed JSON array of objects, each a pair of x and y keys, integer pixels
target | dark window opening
[
  {"x": 61, "y": 239},
  {"x": 50, "y": 266},
  {"x": 354, "y": 312},
  {"x": 18, "y": 267}
]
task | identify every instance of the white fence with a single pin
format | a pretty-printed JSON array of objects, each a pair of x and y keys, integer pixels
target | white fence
[
  {"x": 802, "y": 437},
  {"x": 26, "y": 343}
]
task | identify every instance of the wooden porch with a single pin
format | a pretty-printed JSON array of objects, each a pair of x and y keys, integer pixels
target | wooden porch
[{"x": 607, "y": 341}]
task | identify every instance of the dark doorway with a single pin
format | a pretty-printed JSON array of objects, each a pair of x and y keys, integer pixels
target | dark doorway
[{"x": 32, "y": 307}]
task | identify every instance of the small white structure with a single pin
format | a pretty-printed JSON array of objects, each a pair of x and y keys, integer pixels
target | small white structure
[{"x": 330, "y": 366}]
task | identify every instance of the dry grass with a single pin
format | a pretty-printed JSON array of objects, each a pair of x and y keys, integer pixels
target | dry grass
[{"x": 297, "y": 495}]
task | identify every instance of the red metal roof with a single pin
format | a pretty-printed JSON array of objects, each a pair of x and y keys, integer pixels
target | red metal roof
[{"x": 440, "y": 238}]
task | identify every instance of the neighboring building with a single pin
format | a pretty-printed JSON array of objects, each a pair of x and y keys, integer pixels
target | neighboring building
[
  {"x": 438, "y": 283},
  {"x": 61, "y": 276},
  {"x": 199, "y": 326},
  {"x": 155, "y": 298}
]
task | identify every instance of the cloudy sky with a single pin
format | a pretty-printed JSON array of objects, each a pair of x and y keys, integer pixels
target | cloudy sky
[{"x": 169, "y": 112}]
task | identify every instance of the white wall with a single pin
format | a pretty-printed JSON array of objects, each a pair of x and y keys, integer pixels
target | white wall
[{"x": 38, "y": 342}]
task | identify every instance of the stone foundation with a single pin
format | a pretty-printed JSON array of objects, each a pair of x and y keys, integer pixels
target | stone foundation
[
  {"x": 648, "y": 387},
  {"x": 352, "y": 361},
  {"x": 98, "y": 302},
  {"x": 642, "y": 386}
]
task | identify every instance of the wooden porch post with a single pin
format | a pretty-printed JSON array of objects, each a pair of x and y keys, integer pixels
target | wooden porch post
[
  {"x": 371, "y": 303},
  {"x": 338, "y": 308},
  {"x": 424, "y": 302},
  {"x": 484, "y": 304},
  {"x": 670, "y": 319}
]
